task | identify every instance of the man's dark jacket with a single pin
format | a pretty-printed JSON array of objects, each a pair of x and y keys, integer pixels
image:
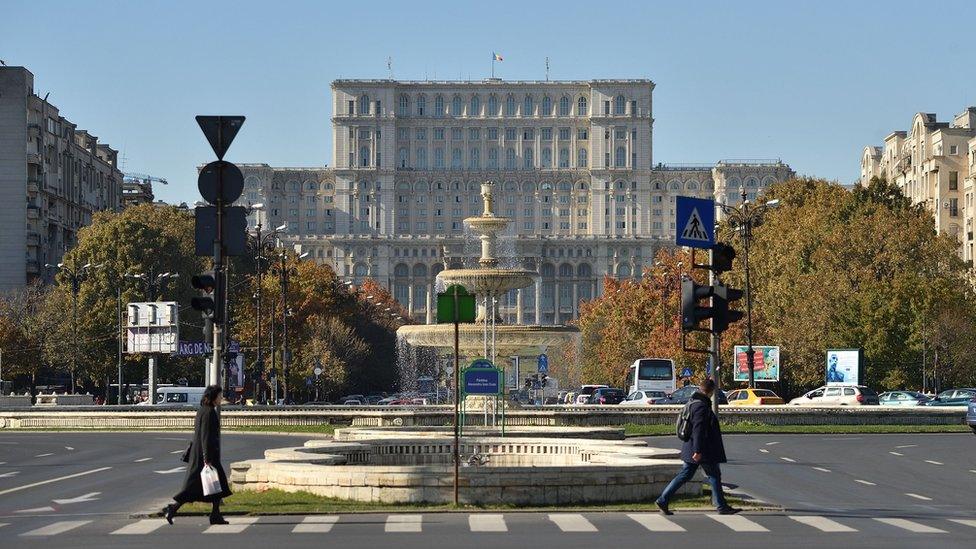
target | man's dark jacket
[{"x": 706, "y": 435}]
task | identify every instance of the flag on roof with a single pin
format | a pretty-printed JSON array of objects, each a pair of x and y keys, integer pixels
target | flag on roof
[{"x": 496, "y": 57}]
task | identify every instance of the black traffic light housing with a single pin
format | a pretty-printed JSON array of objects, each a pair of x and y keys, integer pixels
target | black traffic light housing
[
  {"x": 206, "y": 302},
  {"x": 723, "y": 296},
  {"x": 722, "y": 257},
  {"x": 691, "y": 312}
]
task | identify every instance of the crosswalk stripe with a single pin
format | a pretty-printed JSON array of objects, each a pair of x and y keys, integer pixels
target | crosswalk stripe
[
  {"x": 911, "y": 526},
  {"x": 145, "y": 526},
  {"x": 738, "y": 523},
  {"x": 315, "y": 525},
  {"x": 404, "y": 523},
  {"x": 572, "y": 522},
  {"x": 864, "y": 482},
  {"x": 965, "y": 522},
  {"x": 823, "y": 524},
  {"x": 916, "y": 496},
  {"x": 487, "y": 523},
  {"x": 56, "y": 528},
  {"x": 236, "y": 526},
  {"x": 656, "y": 523}
]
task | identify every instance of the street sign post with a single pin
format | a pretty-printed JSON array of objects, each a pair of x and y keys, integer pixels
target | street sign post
[{"x": 694, "y": 222}]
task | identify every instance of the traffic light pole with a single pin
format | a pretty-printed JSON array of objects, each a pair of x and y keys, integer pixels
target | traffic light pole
[{"x": 715, "y": 341}]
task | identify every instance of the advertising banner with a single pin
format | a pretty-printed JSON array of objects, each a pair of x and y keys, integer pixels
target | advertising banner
[
  {"x": 765, "y": 363},
  {"x": 843, "y": 366}
]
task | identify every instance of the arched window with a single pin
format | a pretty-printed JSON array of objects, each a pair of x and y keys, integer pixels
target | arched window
[
  {"x": 623, "y": 270},
  {"x": 528, "y": 106},
  {"x": 510, "y": 158},
  {"x": 492, "y": 105},
  {"x": 404, "y": 109},
  {"x": 510, "y": 105},
  {"x": 581, "y": 106},
  {"x": 403, "y": 157},
  {"x": 456, "y": 106},
  {"x": 546, "y": 157},
  {"x": 528, "y": 160},
  {"x": 363, "y": 105},
  {"x": 564, "y": 186},
  {"x": 581, "y": 158},
  {"x": 546, "y": 106},
  {"x": 401, "y": 270},
  {"x": 564, "y": 106},
  {"x": 492, "y": 158},
  {"x": 438, "y": 106},
  {"x": 364, "y": 156},
  {"x": 421, "y": 105},
  {"x": 360, "y": 270},
  {"x": 474, "y": 159},
  {"x": 422, "y": 158},
  {"x": 563, "y": 158},
  {"x": 751, "y": 183},
  {"x": 475, "y": 108},
  {"x": 620, "y": 159},
  {"x": 619, "y": 105}
]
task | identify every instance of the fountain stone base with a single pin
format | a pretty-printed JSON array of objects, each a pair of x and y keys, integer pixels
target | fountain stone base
[{"x": 413, "y": 466}]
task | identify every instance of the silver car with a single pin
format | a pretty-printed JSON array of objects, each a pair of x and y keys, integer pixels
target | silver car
[{"x": 902, "y": 398}]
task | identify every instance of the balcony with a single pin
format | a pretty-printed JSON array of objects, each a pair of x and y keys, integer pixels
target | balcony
[
  {"x": 33, "y": 212},
  {"x": 34, "y": 158},
  {"x": 33, "y": 239}
]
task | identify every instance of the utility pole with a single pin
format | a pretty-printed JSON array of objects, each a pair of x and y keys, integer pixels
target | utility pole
[{"x": 284, "y": 273}]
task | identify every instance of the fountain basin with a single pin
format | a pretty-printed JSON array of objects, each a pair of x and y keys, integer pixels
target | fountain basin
[
  {"x": 491, "y": 282},
  {"x": 509, "y": 339}
]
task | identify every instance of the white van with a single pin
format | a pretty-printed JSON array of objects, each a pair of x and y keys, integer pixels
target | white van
[{"x": 179, "y": 396}]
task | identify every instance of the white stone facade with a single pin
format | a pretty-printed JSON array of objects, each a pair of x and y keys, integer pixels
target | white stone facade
[
  {"x": 574, "y": 168},
  {"x": 933, "y": 164}
]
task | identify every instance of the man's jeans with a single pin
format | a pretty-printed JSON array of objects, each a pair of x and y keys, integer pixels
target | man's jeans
[{"x": 713, "y": 474}]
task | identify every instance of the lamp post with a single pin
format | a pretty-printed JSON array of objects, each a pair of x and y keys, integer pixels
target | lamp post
[
  {"x": 744, "y": 217},
  {"x": 153, "y": 282},
  {"x": 258, "y": 245},
  {"x": 284, "y": 274},
  {"x": 76, "y": 275}
]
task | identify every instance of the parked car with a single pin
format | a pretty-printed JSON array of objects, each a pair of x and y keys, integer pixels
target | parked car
[
  {"x": 607, "y": 395},
  {"x": 754, "y": 397},
  {"x": 352, "y": 402},
  {"x": 583, "y": 396},
  {"x": 683, "y": 395},
  {"x": 178, "y": 396},
  {"x": 953, "y": 397},
  {"x": 841, "y": 395},
  {"x": 902, "y": 398},
  {"x": 643, "y": 398},
  {"x": 971, "y": 415}
]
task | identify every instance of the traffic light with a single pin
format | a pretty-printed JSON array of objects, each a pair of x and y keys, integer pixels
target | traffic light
[
  {"x": 723, "y": 316},
  {"x": 691, "y": 312},
  {"x": 722, "y": 256},
  {"x": 206, "y": 302}
]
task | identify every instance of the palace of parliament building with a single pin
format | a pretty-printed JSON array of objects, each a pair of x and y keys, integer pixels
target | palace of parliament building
[{"x": 573, "y": 166}]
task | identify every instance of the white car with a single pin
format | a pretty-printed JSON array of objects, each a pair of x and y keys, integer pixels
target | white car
[
  {"x": 640, "y": 399},
  {"x": 848, "y": 395}
]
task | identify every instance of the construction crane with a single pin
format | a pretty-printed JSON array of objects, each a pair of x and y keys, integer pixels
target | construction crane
[
  {"x": 145, "y": 178},
  {"x": 137, "y": 188}
]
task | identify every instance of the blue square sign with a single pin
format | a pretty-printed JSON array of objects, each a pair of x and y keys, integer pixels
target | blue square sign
[{"x": 694, "y": 222}]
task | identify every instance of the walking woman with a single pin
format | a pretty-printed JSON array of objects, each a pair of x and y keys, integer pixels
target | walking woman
[{"x": 204, "y": 450}]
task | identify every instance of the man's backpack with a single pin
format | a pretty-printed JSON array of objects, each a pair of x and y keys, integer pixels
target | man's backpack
[{"x": 683, "y": 425}]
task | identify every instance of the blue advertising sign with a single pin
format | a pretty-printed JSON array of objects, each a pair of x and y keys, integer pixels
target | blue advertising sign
[
  {"x": 481, "y": 381},
  {"x": 694, "y": 222},
  {"x": 543, "y": 364},
  {"x": 195, "y": 348},
  {"x": 481, "y": 363}
]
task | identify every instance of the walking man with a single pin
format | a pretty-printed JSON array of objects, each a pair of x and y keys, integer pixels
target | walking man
[{"x": 703, "y": 449}]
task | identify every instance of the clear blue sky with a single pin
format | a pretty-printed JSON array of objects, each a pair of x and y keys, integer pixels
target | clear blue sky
[{"x": 810, "y": 82}]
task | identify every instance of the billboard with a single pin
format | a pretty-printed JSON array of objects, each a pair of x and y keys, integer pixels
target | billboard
[
  {"x": 843, "y": 366},
  {"x": 765, "y": 363},
  {"x": 153, "y": 327}
]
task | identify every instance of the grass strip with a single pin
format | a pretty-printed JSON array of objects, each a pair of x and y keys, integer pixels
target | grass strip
[{"x": 633, "y": 429}]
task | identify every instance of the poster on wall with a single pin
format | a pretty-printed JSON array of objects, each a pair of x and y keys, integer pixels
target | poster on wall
[
  {"x": 765, "y": 360},
  {"x": 843, "y": 366}
]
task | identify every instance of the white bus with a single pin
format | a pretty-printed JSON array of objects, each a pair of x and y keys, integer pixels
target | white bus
[{"x": 651, "y": 374}]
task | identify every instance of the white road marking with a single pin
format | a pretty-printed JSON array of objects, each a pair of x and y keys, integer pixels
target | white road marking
[
  {"x": 145, "y": 526},
  {"x": 656, "y": 523},
  {"x": 68, "y": 448},
  {"x": 487, "y": 523},
  {"x": 140, "y": 460},
  {"x": 315, "y": 525},
  {"x": 236, "y": 526},
  {"x": 821, "y": 469},
  {"x": 865, "y": 482},
  {"x": 33, "y": 510},
  {"x": 911, "y": 526},
  {"x": 972, "y": 470},
  {"x": 171, "y": 471},
  {"x": 934, "y": 462},
  {"x": 772, "y": 443},
  {"x": 404, "y": 523},
  {"x": 49, "y": 481},
  {"x": 791, "y": 460},
  {"x": 3, "y": 462},
  {"x": 895, "y": 454},
  {"x": 916, "y": 496},
  {"x": 10, "y": 474},
  {"x": 79, "y": 499},
  {"x": 56, "y": 528},
  {"x": 177, "y": 452},
  {"x": 738, "y": 523},
  {"x": 43, "y": 455},
  {"x": 907, "y": 446},
  {"x": 823, "y": 524},
  {"x": 572, "y": 522},
  {"x": 763, "y": 450},
  {"x": 171, "y": 438},
  {"x": 965, "y": 522}
]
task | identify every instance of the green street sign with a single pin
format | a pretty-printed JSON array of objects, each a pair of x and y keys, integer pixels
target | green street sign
[{"x": 466, "y": 309}]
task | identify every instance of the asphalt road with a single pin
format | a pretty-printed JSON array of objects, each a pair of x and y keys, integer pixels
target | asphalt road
[{"x": 79, "y": 490}]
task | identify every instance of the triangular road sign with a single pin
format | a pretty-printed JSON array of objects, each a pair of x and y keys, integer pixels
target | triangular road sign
[
  {"x": 220, "y": 131},
  {"x": 695, "y": 228}
]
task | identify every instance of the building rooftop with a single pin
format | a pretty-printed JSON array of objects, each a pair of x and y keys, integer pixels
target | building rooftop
[{"x": 487, "y": 81}]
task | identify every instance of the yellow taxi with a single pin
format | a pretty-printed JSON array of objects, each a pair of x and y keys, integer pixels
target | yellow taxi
[{"x": 754, "y": 397}]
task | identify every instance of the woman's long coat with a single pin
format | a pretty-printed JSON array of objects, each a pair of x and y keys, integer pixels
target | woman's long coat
[{"x": 205, "y": 449}]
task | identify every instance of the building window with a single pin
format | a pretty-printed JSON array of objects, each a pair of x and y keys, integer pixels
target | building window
[
  {"x": 474, "y": 134},
  {"x": 439, "y": 158},
  {"x": 528, "y": 106},
  {"x": 619, "y": 105},
  {"x": 456, "y": 159},
  {"x": 475, "y": 108},
  {"x": 510, "y": 105},
  {"x": 546, "y": 134},
  {"x": 510, "y": 158},
  {"x": 546, "y": 157},
  {"x": 422, "y": 134},
  {"x": 351, "y": 107},
  {"x": 439, "y": 106},
  {"x": 492, "y": 158},
  {"x": 581, "y": 158},
  {"x": 456, "y": 106},
  {"x": 953, "y": 181},
  {"x": 953, "y": 149},
  {"x": 474, "y": 161},
  {"x": 404, "y": 108},
  {"x": 563, "y": 158},
  {"x": 457, "y": 134},
  {"x": 528, "y": 160},
  {"x": 439, "y": 134},
  {"x": 564, "y": 134},
  {"x": 421, "y": 105},
  {"x": 403, "y": 157},
  {"x": 581, "y": 106},
  {"x": 492, "y": 133},
  {"x": 621, "y": 158},
  {"x": 364, "y": 156},
  {"x": 510, "y": 134},
  {"x": 582, "y": 134},
  {"x": 492, "y": 105},
  {"x": 620, "y": 133},
  {"x": 528, "y": 133},
  {"x": 422, "y": 158},
  {"x": 606, "y": 108},
  {"x": 546, "y": 106},
  {"x": 564, "y": 106},
  {"x": 364, "y": 105}
]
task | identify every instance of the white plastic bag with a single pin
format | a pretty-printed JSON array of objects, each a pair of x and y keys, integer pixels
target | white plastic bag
[{"x": 210, "y": 480}]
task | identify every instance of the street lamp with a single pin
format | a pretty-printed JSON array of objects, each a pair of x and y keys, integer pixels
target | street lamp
[
  {"x": 258, "y": 244},
  {"x": 284, "y": 273},
  {"x": 76, "y": 275},
  {"x": 153, "y": 282},
  {"x": 744, "y": 217}
]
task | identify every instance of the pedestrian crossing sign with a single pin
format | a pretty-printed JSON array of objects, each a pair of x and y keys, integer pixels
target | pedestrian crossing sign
[
  {"x": 687, "y": 372},
  {"x": 695, "y": 222}
]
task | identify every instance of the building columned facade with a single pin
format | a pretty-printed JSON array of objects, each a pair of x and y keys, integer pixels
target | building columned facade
[
  {"x": 573, "y": 166},
  {"x": 934, "y": 163},
  {"x": 53, "y": 178}
]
